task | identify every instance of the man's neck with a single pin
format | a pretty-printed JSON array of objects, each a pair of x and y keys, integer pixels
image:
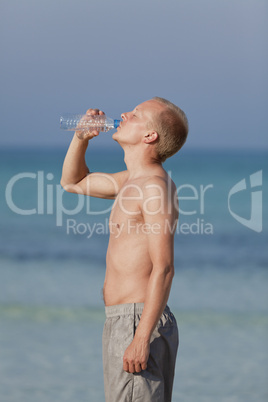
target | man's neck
[{"x": 139, "y": 164}]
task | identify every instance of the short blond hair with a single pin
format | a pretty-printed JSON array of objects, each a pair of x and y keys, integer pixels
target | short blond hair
[{"x": 172, "y": 127}]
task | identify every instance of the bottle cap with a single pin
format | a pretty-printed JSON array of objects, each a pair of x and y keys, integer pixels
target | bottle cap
[{"x": 116, "y": 123}]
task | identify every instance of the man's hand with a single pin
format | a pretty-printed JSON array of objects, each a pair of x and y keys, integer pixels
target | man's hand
[
  {"x": 82, "y": 134},
  {"x": 136, "y": 356}
]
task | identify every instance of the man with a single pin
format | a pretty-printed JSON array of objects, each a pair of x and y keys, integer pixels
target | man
[{"x": 140, "y": 337}]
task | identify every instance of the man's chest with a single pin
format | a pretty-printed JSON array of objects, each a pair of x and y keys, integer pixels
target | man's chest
[{"x": 126, "y": 211}]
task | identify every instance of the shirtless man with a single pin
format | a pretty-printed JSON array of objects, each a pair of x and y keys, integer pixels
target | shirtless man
[{"x": 140, "y": 337}]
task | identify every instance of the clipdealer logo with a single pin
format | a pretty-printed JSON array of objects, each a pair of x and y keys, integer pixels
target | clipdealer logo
[
  {"x": 50, "y": 201},
  {"x": 255, "y": 220}
]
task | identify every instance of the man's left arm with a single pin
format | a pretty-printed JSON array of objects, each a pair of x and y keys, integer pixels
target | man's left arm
[{"x": 160, "y": 219}]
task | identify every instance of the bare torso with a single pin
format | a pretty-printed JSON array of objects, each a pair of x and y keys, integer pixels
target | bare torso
[{"x": 128, "y": 263}]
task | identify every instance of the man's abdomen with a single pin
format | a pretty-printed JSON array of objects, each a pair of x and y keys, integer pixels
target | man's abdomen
[{"x": 127, "y": 274}]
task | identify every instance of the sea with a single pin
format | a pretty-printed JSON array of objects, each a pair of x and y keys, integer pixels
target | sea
[{"x": 52, "y": 267}]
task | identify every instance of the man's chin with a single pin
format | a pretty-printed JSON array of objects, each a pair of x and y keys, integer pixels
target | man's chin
[
  {"x": 119, "y": 139},
  {"x": 115, "y": 136}
]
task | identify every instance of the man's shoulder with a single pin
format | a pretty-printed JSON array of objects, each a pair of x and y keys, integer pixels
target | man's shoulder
[{"x": 158, "y": 180}]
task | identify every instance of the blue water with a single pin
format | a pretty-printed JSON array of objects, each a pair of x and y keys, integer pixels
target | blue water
[{"x": 52, "y": 267}]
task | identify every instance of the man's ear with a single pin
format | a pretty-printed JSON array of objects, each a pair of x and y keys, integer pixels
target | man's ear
[{"x": 150, "y": 137}]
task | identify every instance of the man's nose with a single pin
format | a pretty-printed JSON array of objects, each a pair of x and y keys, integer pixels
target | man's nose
[{"x": 123, "y": 116}]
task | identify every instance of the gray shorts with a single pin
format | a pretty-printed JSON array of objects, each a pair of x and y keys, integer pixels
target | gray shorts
[{"x": 153, "y": 384}]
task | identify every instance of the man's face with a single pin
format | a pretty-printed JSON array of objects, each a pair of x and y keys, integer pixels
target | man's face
[{"x": 134, "y": 126}]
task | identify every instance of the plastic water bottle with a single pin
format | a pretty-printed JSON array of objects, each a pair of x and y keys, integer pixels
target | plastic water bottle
[{"x": 85, "y": 122}]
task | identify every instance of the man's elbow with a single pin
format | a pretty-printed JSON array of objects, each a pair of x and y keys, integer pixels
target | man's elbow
[
  {"x": 68, "y": 187},
  {"x": 63, "y": 184},
  {"x": 170, "y": 271},
  {"x": 167, "y": 270}
]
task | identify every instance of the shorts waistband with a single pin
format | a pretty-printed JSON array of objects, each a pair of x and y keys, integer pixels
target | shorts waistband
[{"x": 126, "y": 309}]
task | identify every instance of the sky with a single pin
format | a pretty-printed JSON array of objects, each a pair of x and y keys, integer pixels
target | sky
[{"x": 210, "y": 57}]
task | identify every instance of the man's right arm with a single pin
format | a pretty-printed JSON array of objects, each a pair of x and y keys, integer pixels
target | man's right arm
[{"x": 76, "y": 177}]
